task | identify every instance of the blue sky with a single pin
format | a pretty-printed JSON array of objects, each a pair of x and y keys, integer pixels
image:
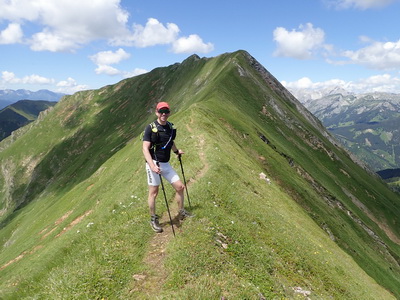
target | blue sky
[{"x": 71, "y": 45}]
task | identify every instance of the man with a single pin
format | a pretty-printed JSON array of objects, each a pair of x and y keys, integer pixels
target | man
[{"x": 158, "y": 141}]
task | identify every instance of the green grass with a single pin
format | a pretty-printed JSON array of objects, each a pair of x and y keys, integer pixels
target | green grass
[
  {"x": 272, "y": 245},
  {"x": 85, "y": 234}
]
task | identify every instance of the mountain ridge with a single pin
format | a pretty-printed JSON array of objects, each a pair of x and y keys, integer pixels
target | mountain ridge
[
  {"x": 9, "y": 96},
  {"x": 19, "y": 114},
  {"x": 366, "y": 124},
  {"x": 316, "y": 218}
]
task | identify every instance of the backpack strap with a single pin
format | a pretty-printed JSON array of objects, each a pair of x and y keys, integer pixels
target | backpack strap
[
  {"x": 153, "y": 127},
  {"x": 154, "y": 133}
]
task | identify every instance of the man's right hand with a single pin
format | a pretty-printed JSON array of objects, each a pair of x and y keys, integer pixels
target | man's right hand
[{"x": 156, "y": 169}]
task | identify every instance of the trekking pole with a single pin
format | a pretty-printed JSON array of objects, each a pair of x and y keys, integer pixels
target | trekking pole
[
  {"x": 166, "y": 202},
  {"x": 184, "y": 180}
]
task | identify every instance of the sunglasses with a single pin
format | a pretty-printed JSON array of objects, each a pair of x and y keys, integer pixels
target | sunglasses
[{"x": 164, "y": 111}]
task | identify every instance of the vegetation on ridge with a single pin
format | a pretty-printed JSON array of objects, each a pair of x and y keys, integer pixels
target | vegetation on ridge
[{"x": 75, "y": 214}]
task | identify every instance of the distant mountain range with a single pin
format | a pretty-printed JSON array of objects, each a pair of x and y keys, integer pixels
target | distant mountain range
[
  {"x": 367, "y": 124},
  {"x": 8, "y": 96},
  {"x": 19, "y": 114}
]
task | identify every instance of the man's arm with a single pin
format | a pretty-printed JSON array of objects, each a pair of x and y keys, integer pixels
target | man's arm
[
  {"x": 149, "y": 159},
  {"x": 176, "y": 150}
]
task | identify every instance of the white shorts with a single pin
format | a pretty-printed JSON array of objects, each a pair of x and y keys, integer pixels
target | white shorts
[{"x": 166, "y": 171}]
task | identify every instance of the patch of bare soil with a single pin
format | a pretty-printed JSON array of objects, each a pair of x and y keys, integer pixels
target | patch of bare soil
[
  {"x": 150, "y": 281},
  {"x": 46, "y": 233},
  {"x": 19, "y": 257},
  {"x": 74, "y": 222}
]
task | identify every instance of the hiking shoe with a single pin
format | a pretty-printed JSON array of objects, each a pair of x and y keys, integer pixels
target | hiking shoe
[
  {"x": 154, "y": 222},
  {"x": 183, "y": 213}
]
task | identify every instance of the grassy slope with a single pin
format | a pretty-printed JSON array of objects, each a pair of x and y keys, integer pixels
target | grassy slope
[{"x": 248, "y": 238}]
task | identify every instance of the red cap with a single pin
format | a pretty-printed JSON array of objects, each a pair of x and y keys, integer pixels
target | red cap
[{"x": 162, "y": 105}]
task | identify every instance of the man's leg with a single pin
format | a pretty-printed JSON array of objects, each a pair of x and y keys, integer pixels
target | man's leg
[
  {"x": 153, "y": 192},
  {"x": 154, "y": 219},
  {"x": 179, "y": 196}
]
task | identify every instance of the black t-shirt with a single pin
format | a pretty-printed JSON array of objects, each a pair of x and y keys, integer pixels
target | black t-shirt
[{"x": 162, "y": 140}]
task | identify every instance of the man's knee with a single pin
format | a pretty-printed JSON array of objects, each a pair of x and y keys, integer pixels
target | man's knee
[
  {"x": 179, "y": 187},
  {"x": 153, "y": 191}
]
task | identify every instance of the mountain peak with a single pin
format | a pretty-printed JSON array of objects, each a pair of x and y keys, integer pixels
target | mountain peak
[
  {"x": 193, "y": 57},
  {"x": 338, "y": 90}
]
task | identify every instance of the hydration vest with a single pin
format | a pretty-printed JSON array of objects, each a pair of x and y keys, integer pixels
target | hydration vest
[{"x": 155, "y": 135}]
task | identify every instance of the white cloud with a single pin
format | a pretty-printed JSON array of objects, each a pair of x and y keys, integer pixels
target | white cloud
[
  {"x": 302, "y": 83},
  {"x": 135, "y": 72},
  {"x": 377, "y": 83},
  {"x": 67, "y": 83},
  {"x": 359, "y": 4},
  {"x": 54, "y": 42},
  {"x": 109, "y": 57},
  {"x": 104, "y": 59},
  {"x": 12, "y": 34},
  {"x": 67, "y": 24},
  {"x": 300, "y": 44},
  {"x": 377, "y": 55},
  {"x": 109, "y": 70},
  {"x": 307, "y": 83},
  {"x": 10, "y": 78},
  {"x": 19, "y": 10},
  {"x": 36, "y": 79},
  {"x": 106, "y": 69},
  {"x": 154, "y": 33},
  {"x": 191, "y": 44},
  {"x": 70, "y": 86}
]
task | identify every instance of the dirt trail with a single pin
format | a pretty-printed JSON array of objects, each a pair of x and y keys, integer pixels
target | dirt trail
[{"x": 152, "y": 280}]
